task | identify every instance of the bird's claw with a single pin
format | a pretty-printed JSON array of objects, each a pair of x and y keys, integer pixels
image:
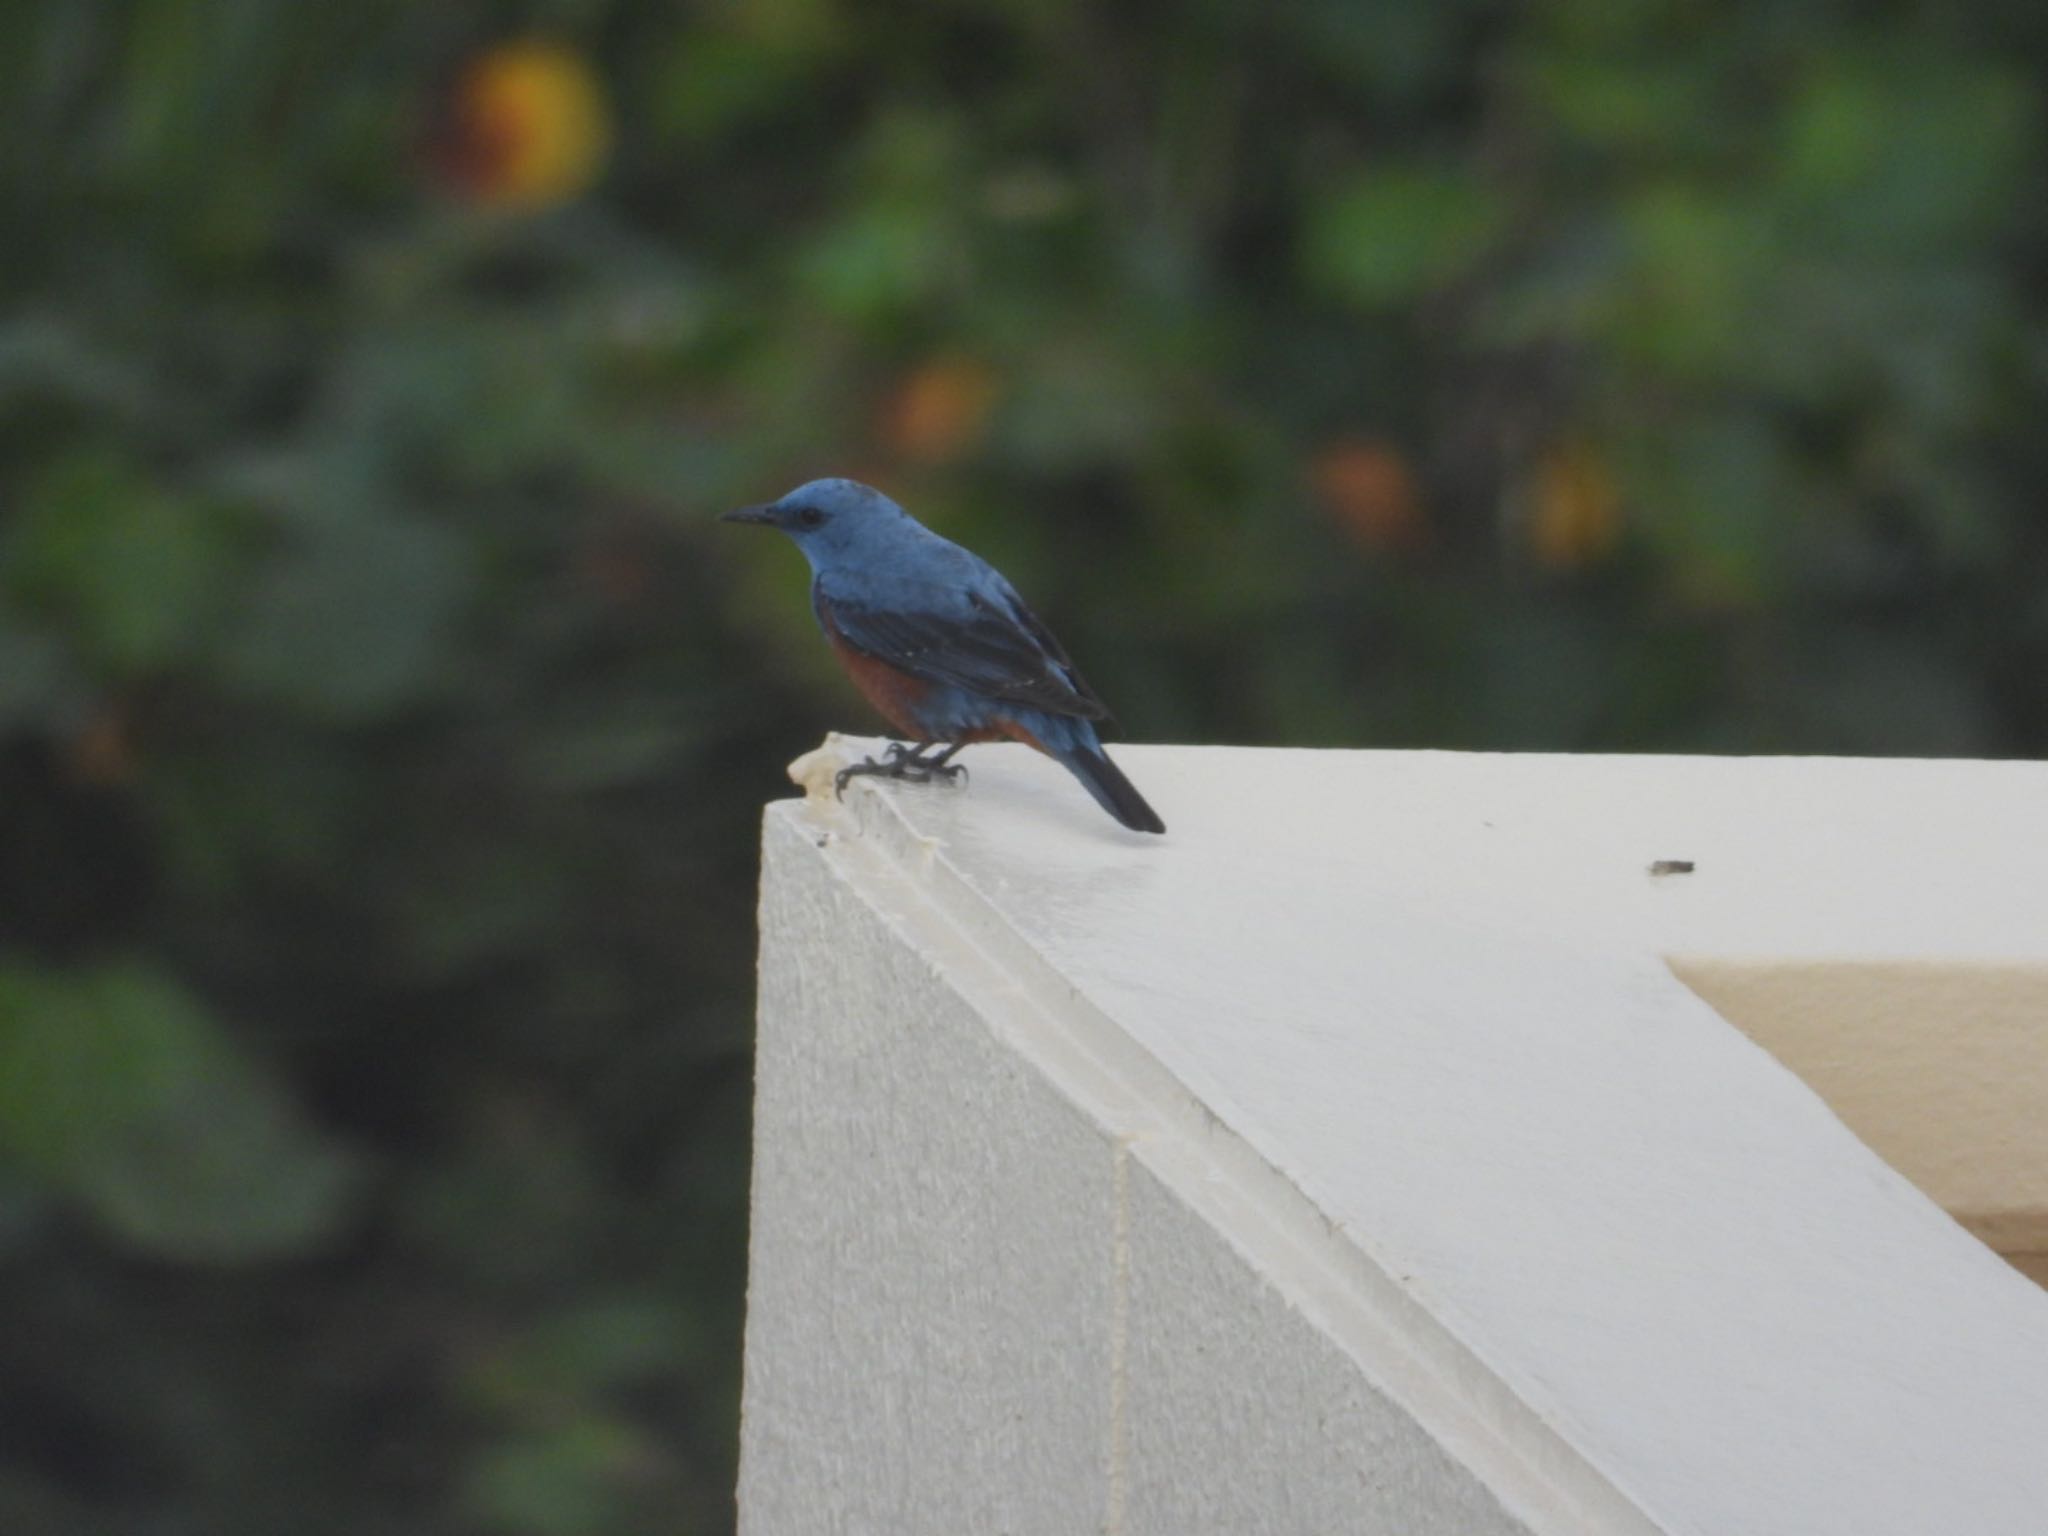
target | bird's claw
[{"x": 902, "y": 761}]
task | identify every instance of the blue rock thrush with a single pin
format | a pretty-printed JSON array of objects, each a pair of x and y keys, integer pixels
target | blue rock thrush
[{"x": 941, "y": 644}]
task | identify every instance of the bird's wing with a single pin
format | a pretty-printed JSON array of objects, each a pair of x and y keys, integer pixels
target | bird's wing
[{"x": 985, "y": 642}]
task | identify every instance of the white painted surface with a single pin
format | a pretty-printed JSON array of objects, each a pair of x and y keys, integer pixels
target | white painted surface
[
  {"x": 1242, "y": 1415},
  {"x": 1367, "y": 1080},
  {"x": 930, "y": 1285}
]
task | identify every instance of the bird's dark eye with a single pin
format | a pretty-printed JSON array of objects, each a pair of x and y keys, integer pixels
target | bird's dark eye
[{"x": 809, "y": 517}]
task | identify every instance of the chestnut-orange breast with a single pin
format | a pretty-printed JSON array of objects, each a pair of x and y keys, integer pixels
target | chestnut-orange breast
[
  {"x": 897, "y": 694},
  {"x": 890, "y": 689}
]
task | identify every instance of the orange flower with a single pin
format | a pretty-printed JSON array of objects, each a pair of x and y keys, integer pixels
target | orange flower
[
  {"x": 941, "y": 410},
  {"x": 1368, "y": 490},
  {"x": 528, "y": 127},
  {"x": 1575, "y": 507}
]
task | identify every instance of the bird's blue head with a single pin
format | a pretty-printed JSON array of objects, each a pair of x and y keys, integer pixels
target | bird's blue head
[{"x": 828, "y": 518}]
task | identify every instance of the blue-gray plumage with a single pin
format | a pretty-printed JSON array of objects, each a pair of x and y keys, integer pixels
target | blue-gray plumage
[{"x": 940, "y": 643}]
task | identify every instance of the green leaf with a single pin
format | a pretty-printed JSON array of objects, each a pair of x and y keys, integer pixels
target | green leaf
[
  {"x": 575, "y": 1480},
  {"x": 877, "y": 261},
  {"x": 138, "y": 571},
  {"x": 1699, "y": 260},
  {"x": 1394, "y": 234},
  {"x": 1894, "y": 156},
  {"x": 712, "y": 84},
  {"x": 584, "y": 1352},
  {"x": 1721, "y": 496},
  {"x": 121, "y": 1090}
]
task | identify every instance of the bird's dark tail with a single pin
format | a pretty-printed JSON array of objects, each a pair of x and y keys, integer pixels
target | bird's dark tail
[{"x": 1112, "y": 791}]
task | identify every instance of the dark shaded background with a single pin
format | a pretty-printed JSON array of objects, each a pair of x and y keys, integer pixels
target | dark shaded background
[{"x": 384, "y": 721}]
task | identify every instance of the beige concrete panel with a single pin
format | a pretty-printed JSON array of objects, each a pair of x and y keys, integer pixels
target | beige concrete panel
[
  {"x": 2033, "y": 1265},
  {"x": 1941, "y": 1068}
]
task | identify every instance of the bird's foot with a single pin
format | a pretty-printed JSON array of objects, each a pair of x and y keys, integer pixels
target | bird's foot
[
  {"x": 905, "y": 762},
  {"x": 913, "y": 764}
]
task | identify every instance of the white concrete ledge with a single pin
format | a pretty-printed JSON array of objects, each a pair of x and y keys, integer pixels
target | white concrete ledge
[{"x": 1352, "y": 1159}]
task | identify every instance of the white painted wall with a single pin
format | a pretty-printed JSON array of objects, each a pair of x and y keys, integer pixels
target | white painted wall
[{"x": 1349, "y": 1159}]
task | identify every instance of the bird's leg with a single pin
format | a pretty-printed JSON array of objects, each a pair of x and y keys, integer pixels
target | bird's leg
[{"x": 901, "y": 760}]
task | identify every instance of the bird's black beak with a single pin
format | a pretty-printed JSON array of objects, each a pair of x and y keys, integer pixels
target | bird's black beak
[{"x": 763, "y": 513}]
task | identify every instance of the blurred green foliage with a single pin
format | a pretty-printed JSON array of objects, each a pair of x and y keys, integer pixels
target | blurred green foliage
[{"x": 383, "y": 721}]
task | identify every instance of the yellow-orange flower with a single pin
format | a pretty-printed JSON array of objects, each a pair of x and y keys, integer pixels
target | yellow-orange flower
[
  {"x": 1575, "y": 507},
  {"x": 1368, "y": 490},
  {"x": 528, "y": 127},
  {"x": 941, "y": 410}
]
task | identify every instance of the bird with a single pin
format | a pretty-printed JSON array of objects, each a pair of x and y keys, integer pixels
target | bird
[{"x": 941, "y": 644}]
